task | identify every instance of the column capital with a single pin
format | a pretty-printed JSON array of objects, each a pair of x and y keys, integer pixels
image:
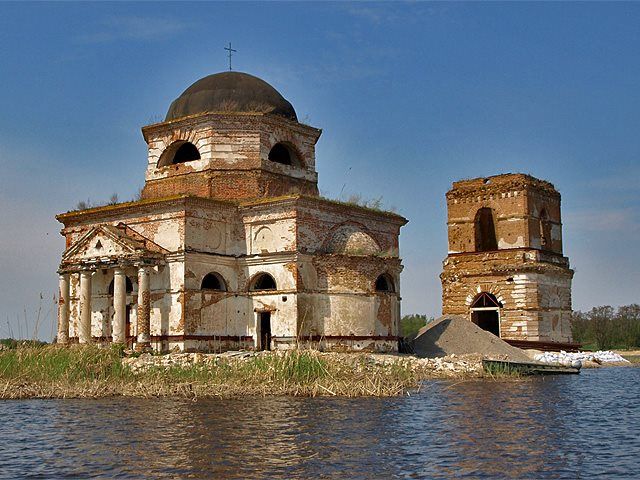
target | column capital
[{"x": 144, "y": 269}]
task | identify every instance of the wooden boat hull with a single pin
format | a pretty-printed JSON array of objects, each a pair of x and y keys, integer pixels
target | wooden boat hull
[{"x": 526, "y": 368}]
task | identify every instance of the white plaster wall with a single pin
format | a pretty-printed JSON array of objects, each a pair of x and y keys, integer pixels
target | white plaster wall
[
  {"x": 166, "y": 230},
  {"x": 217, "y": 148},
  {"x": 276, "y": 267},
  {"x": 342, "y": 315},
  {"x": 277, "y": 236}
]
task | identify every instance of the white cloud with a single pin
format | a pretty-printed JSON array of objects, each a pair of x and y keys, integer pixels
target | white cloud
[
  {"x": 395, "y": 12},
  {"x": 622, "y": 180},
  {"x": 623, "y": 219},
  {"x": 133, "y": 28}
]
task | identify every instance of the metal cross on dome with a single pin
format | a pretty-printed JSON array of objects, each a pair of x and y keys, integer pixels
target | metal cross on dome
[{"x": 231, "y": 51}]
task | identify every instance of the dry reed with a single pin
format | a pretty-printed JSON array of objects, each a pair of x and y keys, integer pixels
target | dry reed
[{"x": 93, "y": 371}]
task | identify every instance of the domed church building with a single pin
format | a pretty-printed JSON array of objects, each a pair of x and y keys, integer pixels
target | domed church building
[{"x": 230, "y": 245}]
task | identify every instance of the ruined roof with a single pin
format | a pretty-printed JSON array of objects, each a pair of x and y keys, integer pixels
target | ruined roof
[
  {"x": 230, "y": 92},
  {"x": 500, "y": 183}
]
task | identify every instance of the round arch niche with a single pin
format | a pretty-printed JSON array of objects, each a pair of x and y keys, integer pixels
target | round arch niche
[
  {"x": 285, "y": 154},
  {"x": 180, "y": 151},
  {"x": 213, "y": 281},
  {"x": 485, "y": 230},
  {"x": 384, "y": 283},
  {"x": 262, "y": 281}
]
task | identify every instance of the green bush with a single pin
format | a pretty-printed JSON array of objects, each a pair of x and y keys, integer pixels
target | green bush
[{"x": 411, "y": 324}]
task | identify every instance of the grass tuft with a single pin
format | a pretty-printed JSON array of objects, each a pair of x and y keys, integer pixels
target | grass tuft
[{"x": 94, "y": 371}]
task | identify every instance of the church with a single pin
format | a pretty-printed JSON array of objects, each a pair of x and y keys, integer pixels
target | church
[{"x": 230, "y": 245}]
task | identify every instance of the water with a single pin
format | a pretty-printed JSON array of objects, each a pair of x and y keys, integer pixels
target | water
[{"x": 584, "y": 426}]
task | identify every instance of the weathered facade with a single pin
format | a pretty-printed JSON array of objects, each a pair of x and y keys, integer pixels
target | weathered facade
[
  {"x": 505, "y": 270},
  {"x": 230, "y": 245}
]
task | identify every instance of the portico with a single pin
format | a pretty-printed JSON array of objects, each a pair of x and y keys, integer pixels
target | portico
[
  {"x": 117, "y": 328},
  {"x": 109, "y": 253}
]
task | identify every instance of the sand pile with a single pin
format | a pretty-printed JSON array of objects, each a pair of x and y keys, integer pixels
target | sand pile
[{"x": 458, "y": 336}]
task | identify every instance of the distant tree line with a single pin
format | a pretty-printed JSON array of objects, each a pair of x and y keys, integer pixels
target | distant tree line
[
  {"x": 410, "y": 324},
  {"x": 605, "y": 327}
]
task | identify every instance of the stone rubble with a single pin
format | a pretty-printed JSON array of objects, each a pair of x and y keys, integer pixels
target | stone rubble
[
  {"x": 147, "y": 361},
  {"x": 449, "y": 366}
]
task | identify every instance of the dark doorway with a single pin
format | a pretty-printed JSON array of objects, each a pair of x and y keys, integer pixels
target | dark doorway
[
  {"x": 488, "y": 320},
  {"x": 265, "y": 331},
  {"x": 485, "y": 312}
]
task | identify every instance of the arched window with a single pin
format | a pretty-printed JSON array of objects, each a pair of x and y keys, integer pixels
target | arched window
[
  {"x": 213, "y": 281},
  {"x": 284, "y": 154},
  {"x": 545, "y": 230},
  {"x": 129, "y": 287},
  {"x": 486, "y": 300},
  {"x": 263, "y": 281},
  {"x": 179, "y": 152},
  {"x": 485, "y": 231},
  {"x": 384, "y": 283}
]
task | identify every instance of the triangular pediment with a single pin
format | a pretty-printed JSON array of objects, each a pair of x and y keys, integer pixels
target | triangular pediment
[{"x": 107, "y": 242}]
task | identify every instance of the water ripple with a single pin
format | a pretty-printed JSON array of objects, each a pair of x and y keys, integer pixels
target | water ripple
[{"x": 569, "y": 427}]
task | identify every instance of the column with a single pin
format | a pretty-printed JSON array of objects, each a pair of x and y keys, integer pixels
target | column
[
  {"x": 119, "y": 305},
  {"x": 63, "y": 309},
  {"x": 143, "y": 328},
  {"x": 84, "y": 332}
]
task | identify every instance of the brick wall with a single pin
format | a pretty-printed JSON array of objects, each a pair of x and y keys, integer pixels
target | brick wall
[{"x": 532, "y": 280}]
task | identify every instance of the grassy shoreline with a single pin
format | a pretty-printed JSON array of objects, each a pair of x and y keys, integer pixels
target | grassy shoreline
[{"x": 92, "y": 371}]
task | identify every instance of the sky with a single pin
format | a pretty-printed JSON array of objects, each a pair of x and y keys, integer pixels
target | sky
[{"x": 410, "y": 97}]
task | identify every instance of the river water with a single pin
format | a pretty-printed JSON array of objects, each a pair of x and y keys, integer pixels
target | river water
[{"x": 577, "y": 426}]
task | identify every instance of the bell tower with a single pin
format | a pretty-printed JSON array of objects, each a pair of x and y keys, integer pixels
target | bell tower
[
  {"x": 230, "y": 136},
  {"x": 505, "y": 269}
]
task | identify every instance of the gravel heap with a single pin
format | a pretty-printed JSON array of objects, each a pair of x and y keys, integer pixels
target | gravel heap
[
  {"x": 454, "y": 335},
  {"x": 562, "y": 357}
]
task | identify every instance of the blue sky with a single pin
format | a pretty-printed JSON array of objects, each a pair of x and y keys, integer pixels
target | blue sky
[{"x": 410, "y": 96}]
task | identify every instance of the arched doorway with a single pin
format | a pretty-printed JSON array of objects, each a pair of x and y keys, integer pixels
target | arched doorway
[{"x": 485, "y": 312}]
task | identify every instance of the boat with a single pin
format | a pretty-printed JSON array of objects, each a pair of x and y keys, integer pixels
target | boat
[{"x": 526, "y": 368}]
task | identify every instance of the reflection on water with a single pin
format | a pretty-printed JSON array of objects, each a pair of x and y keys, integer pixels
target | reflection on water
[{"x": 562, "y": 427}]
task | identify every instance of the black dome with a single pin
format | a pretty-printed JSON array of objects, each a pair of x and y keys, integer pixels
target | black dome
[{"x": 230, "y": 92}]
